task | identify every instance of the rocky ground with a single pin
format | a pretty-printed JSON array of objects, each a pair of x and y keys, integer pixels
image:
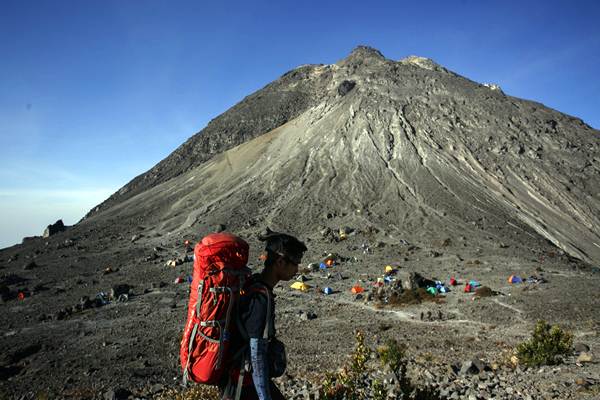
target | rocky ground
[
  {"x": 57, "y": 343},
  {"x": 431, "y": 172}
]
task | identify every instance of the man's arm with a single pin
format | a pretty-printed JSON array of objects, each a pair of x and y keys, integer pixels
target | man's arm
[
  {"x": 260, "y": 367},
  {"x": 254, "y": 319}
]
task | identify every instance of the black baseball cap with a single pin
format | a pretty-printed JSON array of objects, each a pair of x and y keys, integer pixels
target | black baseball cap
[{"x": 283, "y": 244}]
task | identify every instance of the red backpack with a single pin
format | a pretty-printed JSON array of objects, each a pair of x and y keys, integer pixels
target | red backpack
[{"x": 219, "y": 273}]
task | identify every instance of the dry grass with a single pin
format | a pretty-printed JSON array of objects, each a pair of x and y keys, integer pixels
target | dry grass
[
  {"x": 484, "y": 291},
  {"x": 415, "y": 296},
  {"x": 195, "y": 392}
]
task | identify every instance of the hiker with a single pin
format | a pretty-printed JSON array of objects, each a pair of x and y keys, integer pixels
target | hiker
[{"x": 265, "y": 354}]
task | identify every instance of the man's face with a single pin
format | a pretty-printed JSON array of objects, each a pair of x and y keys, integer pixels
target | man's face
[{"x": 286, "y": 268}]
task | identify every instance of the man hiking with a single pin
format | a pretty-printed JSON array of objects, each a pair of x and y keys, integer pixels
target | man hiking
[{"x": 264, "y": 354}]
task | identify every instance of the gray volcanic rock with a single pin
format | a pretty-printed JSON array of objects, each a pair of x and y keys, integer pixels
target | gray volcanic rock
[
  {"x": 54, "y": 228},
  {"x": 426, "y": 151},
  {"x": 345, "y": 87}
]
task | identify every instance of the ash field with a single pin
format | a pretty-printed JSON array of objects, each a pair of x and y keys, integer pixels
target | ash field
[{"x": 378, "y": 162}]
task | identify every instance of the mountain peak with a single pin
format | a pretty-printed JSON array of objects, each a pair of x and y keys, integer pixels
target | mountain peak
[
  {"x": 423, "y": 62},
  {"x": 366, "y": 51},
  {"x": 362, "y": 52}
]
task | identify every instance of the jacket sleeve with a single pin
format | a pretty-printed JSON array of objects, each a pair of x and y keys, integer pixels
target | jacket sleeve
[
  {"x": 260, "y": 367},
  {"x": 254, "y": 315}
]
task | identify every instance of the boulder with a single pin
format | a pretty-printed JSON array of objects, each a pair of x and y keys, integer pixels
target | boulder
[
  {"x": 5, "y": 293},
  {"x": 584, "y": 357},
  {"x": 85, "y": 303},
  {"x": 468, "y": 368},
  {"x": 345, "y": 230},
  {"x": 345, "y": 87},
  {"x": 219, "y": 228},
  {"x": 307, "y": 315},
  {"x": 327, "y": 233},
  {"x": 157, "y": 285},
  {"x": 414, "y": 280},
  {"x": 118, "y": 290},
  {"x": 312, "y": 267},
  {"x": 581, "y": 348},
  {"x": 28, "y": 239},
  {"x": 151, "y": 257},
  {"x": 474, "y": 366},
  {"x": 582, "y": 382},
  {"x": 30, "y": 265},
  {"x": 55, "y": 228},
  {"x": 117, "y": 394}
]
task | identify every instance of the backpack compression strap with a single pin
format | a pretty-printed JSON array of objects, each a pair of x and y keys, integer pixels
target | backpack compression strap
[{"x": 193, "y": 335}]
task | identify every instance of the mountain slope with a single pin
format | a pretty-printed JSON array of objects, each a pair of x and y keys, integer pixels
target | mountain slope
[
  {"x": 260, "y": 112},
  {"x": 413, "y": 149}
]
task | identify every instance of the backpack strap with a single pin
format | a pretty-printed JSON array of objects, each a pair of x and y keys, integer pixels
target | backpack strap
[
  {"x": 254, "y": 287},
  {"x": 233, "y": 300},
  {"x": 194, "y": 332},
  {"x": 245, "y": 367},
  {"x": 268, "y": 321},
  {"x": 259, "y": 287},
  {"x": 224, "y": 330},
  {"x": 233, "y": 390}
]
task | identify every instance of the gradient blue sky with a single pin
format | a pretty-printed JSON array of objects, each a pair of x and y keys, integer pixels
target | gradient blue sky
[{"x": 93, "y": 93}]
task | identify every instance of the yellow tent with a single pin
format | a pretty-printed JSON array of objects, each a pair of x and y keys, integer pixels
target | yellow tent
[{"x": 299, "y": 286}]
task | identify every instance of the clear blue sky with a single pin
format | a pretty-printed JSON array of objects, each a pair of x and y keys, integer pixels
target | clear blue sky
[{"x": 93, "y": 93}]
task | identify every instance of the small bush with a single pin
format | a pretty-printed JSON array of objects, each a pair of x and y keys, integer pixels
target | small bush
[
  {"x": 392, "y": 355},
  {"x": 413, "y": 296},
  {"x": 337, "y": 386},
  {"x": 484, "y": 291},
  {"x": 378, "y": 391},
  {"x": 361, "y": 354},
  {"x": 347, "y": 383},
  {"x": 546, "y": 346},
  {"x": 356, "y": 380}
]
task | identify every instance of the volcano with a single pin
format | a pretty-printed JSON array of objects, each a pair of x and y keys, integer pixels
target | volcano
[
  {"x": 418, "y": 166},
  {"x": 411, "y": 147}
]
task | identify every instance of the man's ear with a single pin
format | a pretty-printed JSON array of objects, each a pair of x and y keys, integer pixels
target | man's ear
[{"x": 279, "y": 261}]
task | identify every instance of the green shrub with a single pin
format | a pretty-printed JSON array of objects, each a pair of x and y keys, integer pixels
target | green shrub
[
  {"x": 337, "y": 386},
  {"x": 546, "y": 345},
  {"x": 355, "y": 381},
  {"x": 348, "y": 383},
  {"x": 392, "y": 355},
  {"x": 378, "y": 391},
  {"x": 361, "y": 354}
]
